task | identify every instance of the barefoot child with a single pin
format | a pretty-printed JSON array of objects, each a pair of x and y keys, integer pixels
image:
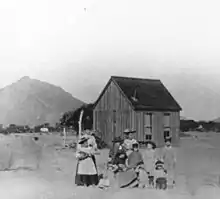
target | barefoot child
[{"x": 149, "y": 160}]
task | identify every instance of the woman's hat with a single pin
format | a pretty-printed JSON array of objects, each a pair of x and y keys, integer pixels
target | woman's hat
[
  {"x": 127, "y": 131},
  {"x": 83, "y": 140},
  {"x": 117, "y": 139},
  {"x": 154, "y": 146}
]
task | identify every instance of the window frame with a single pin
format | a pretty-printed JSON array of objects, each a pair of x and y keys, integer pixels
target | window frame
[
  {"x": 166, "y": 128},
  {"x": 148, "y": 128},
  {"x": 114, "y": 117}
]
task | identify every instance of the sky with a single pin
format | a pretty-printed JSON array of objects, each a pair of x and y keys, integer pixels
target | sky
[{"x": 79, "y": 44}]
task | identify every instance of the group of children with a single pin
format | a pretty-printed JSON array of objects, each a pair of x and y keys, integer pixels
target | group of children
[
  {"x": 151, "y": 169},
  {"x": 127, "y": 163}
]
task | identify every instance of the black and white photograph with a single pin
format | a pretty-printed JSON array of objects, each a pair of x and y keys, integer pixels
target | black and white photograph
[{"x": 109, "y": 99}]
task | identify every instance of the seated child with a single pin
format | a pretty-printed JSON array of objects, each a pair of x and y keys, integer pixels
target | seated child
[
  {"x": 104, "y": 181},
  {"x": 117, "y": 156},
  {"x": 160, "y": 175},
  {"x": 135, "y": 161}
]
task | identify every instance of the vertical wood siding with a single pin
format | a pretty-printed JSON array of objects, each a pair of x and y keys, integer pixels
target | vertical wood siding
[
  {"x": 126, "y": 117},
  {"x": 111, "y": 100}
]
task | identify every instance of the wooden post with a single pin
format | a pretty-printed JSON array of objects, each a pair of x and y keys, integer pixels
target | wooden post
[
  {"x": 80, "y": 124},
  {"x": 64, "y": 136}
]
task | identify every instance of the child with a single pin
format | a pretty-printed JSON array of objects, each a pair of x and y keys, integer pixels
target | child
[
  {"x": 160, "y": 176},
  {"x": 135, "y": 158},
  {"x": 129, "y": 140},
  {"x": 135, "y": 161},
  {"x": 117, "y": 156},
  {"x": 169, "y": 158},
  {"x": 86, "y": 170},
  {"x": 149, "y": 160},
  {"x": 104, "y": 182}
]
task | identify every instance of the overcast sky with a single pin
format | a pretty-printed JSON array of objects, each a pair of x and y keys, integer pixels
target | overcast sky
[{"x": 60, "y": 42}]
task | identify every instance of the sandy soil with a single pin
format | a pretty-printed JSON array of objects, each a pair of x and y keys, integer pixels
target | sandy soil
[{"x": 198, "y": 166}]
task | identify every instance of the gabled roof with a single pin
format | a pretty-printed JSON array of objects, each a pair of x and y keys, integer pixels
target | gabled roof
[{"x": 145, "y": 94}]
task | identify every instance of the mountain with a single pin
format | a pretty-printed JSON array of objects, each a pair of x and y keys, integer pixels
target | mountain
[
  {"x": 198, "y": 95},
  {"x": 32, "y": 102},
  {"x": 183, "y": 118},
  {"x": 217, "y": 120}
]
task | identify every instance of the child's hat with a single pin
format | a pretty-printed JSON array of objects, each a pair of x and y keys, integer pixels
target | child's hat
[
  {"x": 128, "y": 131},
  {"x": 159, "y": 163}
]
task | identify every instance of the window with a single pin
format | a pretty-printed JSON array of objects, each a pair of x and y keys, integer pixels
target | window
[
  {"x": 148, "y": 126},
  {"x": 166, "y": 125},
  {"x": 114, "y": 116}
]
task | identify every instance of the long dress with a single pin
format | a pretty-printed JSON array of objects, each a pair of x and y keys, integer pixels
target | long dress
[
  {"x": 169, "y": 157},
  {"x": 86, "y": 170},
  {"x": 149, "y": 160}
]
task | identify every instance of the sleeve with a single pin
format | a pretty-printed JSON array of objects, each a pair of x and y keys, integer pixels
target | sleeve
[
  {"x": 125, "y": 144},
  {"x": 163, "y": 153},
  {"x": 95, "y": 146},
  {"x": 174, "y": 155},
  {"x": 111, "y": 152},
  {"x": 141, "y": 157},
  {"x": 77, "y": 154},
  {"x": 78, "y": 147}
]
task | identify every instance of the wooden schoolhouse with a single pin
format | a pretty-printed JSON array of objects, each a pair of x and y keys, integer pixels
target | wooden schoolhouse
[{"x": 144, "y": 105}]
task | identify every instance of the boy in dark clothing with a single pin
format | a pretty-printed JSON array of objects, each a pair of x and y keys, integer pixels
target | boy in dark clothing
[{"x": 117, "y": 156}]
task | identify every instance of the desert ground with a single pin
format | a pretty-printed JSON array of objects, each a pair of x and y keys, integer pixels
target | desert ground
[{"x": 198, "y": 170}]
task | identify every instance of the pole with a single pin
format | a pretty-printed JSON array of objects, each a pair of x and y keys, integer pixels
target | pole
[
  {"x": 64, "y": 135},
  {"x": 80, "y": 124}
]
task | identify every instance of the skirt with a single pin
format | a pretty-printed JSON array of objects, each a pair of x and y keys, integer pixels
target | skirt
[
  {"x": 86, "y": 180},
  {"x": 127, "y": 179}
]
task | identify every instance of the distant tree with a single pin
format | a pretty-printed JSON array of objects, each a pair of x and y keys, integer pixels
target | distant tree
[
  {"x": 187, "y": 125},
  {"x": 71, "y": 118}
]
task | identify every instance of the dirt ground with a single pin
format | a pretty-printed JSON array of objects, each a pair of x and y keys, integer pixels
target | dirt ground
[{"x": 198, "y": 170}]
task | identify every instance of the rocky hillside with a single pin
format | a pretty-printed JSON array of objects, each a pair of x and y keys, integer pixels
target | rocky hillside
[{"x": 32, "y": 102}]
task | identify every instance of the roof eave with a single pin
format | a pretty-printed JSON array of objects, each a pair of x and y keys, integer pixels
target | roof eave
[
  {"x": 157, "y": 109},
  {"x": 102, "y": 92}
]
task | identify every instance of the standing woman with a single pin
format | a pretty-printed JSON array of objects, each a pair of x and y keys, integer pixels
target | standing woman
[
  {"x": 92, "y": 143},
  {"x": 149, "y": 155},
  {"x": 129, "y": 140},
  {"x": 86, "y": 170}
]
